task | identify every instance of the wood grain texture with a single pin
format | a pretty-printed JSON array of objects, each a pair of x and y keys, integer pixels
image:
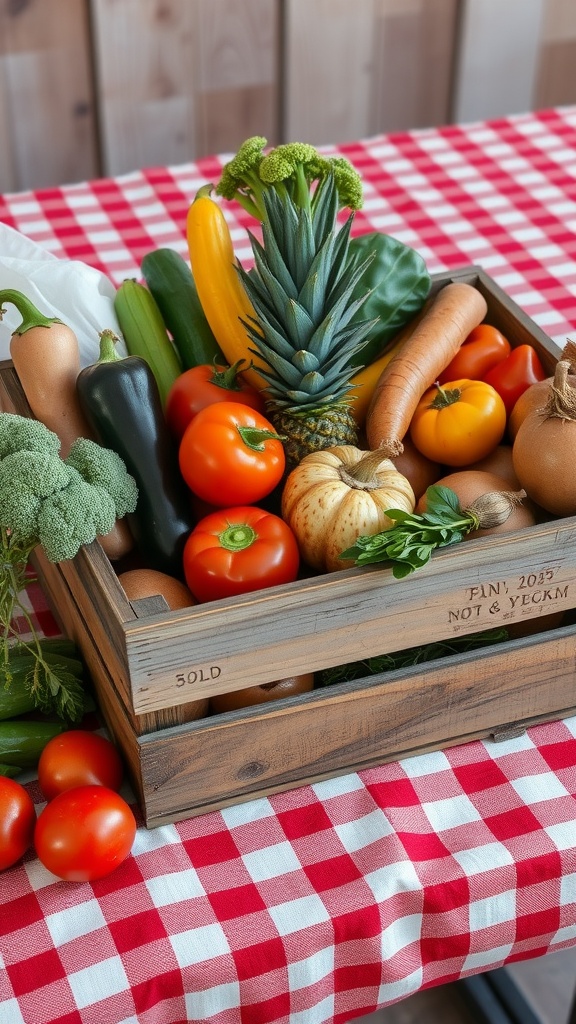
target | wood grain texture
[
  {"x": 46, "y": 109},
  {"x": 236, "y": 756},
  {"x": 180, "y": 79},
  {"x": 371, "y": 66}
]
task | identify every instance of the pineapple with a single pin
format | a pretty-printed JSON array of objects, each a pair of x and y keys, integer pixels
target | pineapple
[{"x": 301, "y": 289}]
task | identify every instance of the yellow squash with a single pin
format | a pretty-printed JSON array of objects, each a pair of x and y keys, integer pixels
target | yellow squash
[{"x": 220, "y": 290}]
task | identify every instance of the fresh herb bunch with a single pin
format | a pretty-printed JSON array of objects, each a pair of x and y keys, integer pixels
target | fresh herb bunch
[
  {"x": 410, "y": 542},
  {"x": 58, "y": 504}
]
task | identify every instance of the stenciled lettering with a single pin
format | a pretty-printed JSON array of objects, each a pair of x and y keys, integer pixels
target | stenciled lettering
[{"x": 198, "y": 675}]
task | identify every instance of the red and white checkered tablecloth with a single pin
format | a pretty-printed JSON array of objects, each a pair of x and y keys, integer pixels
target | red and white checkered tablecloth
[{"x": 318, "y": 905}]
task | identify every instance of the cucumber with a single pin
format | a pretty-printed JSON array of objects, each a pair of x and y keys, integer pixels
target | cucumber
[
  {"x": 170, "y": 281},
  {"x": 15, "y": 695},
  {"x": 23, "y": 740},
  {"x": 145, "y": 335}
]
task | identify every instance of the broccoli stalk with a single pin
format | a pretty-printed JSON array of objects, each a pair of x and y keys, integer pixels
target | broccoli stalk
[
  {"x": 292, "y": 170},
  {"x": 58, "y": 504}
]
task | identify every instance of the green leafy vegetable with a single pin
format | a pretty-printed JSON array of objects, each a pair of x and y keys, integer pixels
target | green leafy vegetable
[{"x": 410, "y": 542}]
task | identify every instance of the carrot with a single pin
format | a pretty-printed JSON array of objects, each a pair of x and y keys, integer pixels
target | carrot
[
  {"x": 46, "y": 357},
  {"x": 366, "y": 378},
  {"x": 455, "y": 311}
]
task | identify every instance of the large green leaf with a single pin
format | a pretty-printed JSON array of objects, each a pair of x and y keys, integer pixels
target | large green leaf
[{"x": 398, "y": 282}]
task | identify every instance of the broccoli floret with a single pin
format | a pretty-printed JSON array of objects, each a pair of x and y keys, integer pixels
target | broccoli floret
[
  {"x": 19, "y": 432},
  {"x": 26, "y": 478},
  {"x": 291, "y": 169},
  {"x": 73, "y": 516},
  {"x": 348, "y": 182},
  {"x": 103, "y": 467},
  {"x": 240, "y": 178}
]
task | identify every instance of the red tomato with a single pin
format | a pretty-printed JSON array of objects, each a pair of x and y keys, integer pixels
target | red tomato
[
  {"x": 514, "y": 375},
  {"x": 231, "y": 455},
  {"x": 17, "y": 820},
  {"x": 78, "y": 758},
  {"x": 236, "y": 550},
  {"x": 203, "y": 385},
  {"x": 84, "y": 833},
  {"x": 484, "y": 348}
]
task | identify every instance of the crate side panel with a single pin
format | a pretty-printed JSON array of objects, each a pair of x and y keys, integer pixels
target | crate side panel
[
  {"x": 344, "y": 617},
  {"x": 240, "y": 756}
]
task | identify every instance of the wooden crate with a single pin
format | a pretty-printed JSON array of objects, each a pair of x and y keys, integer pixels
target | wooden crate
[{"x": 148, "y": 663}]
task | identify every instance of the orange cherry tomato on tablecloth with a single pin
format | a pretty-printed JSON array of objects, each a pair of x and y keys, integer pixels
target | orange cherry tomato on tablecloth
[
  {"x": 514, "y": 375},
  {"x": 17, "y": 821},
  {"x": 231, "y": 455},
  {"x": 237, "y": 550},
  {"x": 78, "y": 757},
  {"x": 459, "y": 422},
  {"x": 203, "y": 385},
  {"x": 84, "y": 833},
  {"x": 484, "y": 348}
]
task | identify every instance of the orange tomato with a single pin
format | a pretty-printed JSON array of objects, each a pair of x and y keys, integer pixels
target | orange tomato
[{"x": 459, "y": 422}]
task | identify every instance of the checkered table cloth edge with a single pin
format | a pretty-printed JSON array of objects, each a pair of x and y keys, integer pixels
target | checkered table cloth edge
[{"x": 318, "y": 905}]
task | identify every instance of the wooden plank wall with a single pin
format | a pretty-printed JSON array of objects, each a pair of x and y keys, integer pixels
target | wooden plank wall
[
  {"x": 47, "y": 122},
  {"x": 353, "y": 70},
  {"x": 198, "y": 77},
  {"x": 556, "y": 76},
  {"x": 91, "y": 87}
]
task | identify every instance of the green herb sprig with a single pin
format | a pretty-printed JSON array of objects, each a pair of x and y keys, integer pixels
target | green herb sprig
[{"x": 410, "y": 542}]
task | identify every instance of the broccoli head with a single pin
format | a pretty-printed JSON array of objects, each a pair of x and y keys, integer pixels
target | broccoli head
[
  {"x": 291, "y": 169},
  {"x": 103, "y": 467},
  {"x": 60, "y": 504}
]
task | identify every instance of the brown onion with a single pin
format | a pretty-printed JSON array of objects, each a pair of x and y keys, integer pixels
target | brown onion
[{"x": 545, "y": 448}]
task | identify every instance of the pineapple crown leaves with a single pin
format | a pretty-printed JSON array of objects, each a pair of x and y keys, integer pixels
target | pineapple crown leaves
[
  {"x": 286, "y": 324},
  {"x": 301, "y": 288}
]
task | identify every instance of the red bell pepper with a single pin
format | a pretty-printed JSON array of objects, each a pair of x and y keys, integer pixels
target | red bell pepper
[
  {"x": 514, "y": 375},
  {"x": 484, "y": 347}
]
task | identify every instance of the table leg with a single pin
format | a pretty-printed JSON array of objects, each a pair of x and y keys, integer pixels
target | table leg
[
  {"x": 572, "y": 1016},
  {"x": 494, "y": 998}
]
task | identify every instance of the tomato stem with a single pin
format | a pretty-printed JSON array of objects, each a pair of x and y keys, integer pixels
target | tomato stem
[
  {"x": 445, "y": 396},
  {"x": 255, "y": 438},
  {"x": 237, "y": 537},
  {"x": 227, "y": 377}
]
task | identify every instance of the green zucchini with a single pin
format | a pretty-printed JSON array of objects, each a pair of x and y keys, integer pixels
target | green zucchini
[
  {"x": 23, "y": 740},
  {"x": 170, "y": 281},
  {"x": 145, "y": 335}
]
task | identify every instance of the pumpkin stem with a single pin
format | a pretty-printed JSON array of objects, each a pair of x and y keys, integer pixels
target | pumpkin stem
[{"x": 363, "y": 474}]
